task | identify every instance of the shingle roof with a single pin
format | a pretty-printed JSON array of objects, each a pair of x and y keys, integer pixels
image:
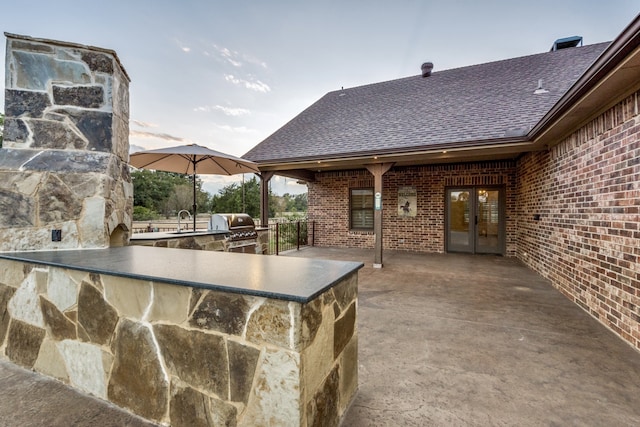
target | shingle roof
[{"x": 465, "y": 105}]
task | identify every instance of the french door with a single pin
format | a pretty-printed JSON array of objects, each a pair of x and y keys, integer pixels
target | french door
[{"x": 475, "y": 220}]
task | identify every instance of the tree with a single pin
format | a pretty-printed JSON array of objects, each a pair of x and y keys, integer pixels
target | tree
[
  {"x": 291, "y": 203},
  {"x": 301, "y": 202},
  {"x": 230, "y": 198},
  {"x": 140, "y": 213},
  {"x": 181, "y": 198},
  {"x": 151, "y": 189},
  {"x": 167, "y": 192}
]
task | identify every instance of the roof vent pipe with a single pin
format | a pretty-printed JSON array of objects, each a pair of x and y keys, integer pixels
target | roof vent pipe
[
  {"x": 540, "y": 88},
  {"x": 426, "y": 69}
]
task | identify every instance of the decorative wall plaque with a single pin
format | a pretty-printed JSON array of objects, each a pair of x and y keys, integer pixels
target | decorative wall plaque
[{"x": 407, "y": 201}]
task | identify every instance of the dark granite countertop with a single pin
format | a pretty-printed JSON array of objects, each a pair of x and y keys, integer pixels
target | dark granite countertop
[{"x": 290, "y": 279}]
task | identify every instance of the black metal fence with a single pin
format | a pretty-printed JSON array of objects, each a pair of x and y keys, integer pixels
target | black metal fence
[{"x": 289, "y": 235}]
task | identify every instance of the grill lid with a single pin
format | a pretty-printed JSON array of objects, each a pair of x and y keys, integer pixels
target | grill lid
[{"x": 231, "y": 222}]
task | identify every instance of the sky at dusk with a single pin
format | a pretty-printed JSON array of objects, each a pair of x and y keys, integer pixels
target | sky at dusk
[{"x": 227, "y": 74}]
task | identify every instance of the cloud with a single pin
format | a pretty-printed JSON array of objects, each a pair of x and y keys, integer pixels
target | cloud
[
  {"x": 144, "y": 124},
  {"x": 228, "y": 111},
  {"x": 227, "y": 55},
  {"x": 237, "y": 129},
  {"x": 258, "y": 62},
  {"x": 237, "y": 59},
  {"x": 256, "y": 85},
  {"x": 163, "y": 136},
  {"x": 182, "y": 46}
]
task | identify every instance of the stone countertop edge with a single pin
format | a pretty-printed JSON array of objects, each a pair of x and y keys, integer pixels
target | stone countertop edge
[
  {"x": 283, "y": 278},
  {"x": 162, "y": 235}
]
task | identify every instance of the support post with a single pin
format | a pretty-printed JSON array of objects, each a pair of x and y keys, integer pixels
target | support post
[
  {"x": 264, "y": 197},
  {"x": 378, "y": 170}
]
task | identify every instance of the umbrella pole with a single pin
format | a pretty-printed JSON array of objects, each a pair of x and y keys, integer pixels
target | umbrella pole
[{"x": 194, "y": 197}]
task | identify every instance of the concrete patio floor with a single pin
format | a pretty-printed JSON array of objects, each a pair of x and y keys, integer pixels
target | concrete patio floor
[
  {"x": 444, "y": 340},
  {"x": 463, "y": 340}
]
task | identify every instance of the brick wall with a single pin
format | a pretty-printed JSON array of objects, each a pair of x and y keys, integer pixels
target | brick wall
[
  {"x": 329, "y": 204},
  {"x": 586, "y": 191},
  {"x": 329, "y": 208},
  {"x": 587, "y": 241}
]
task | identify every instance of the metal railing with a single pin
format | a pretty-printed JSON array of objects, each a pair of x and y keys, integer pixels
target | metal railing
[{"x": 289, "y": 235}]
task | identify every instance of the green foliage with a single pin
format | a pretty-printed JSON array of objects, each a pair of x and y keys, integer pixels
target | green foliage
[
  {"x": 230, "y": 199},
  {"x": 233, "y": 198},
  {"x": 158, "y": 193},
  {"x": 290, "y": 203},
  {"x": 181, "y": 197},
  {"x": 296, "y": 216},
  {"x": 140, "y": 213},
  {"x": 297, "y": 203},
  {"x": 166, "y": 192}
]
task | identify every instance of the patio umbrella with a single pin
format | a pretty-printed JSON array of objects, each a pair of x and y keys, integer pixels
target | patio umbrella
[{"x": 189, "y": 159}]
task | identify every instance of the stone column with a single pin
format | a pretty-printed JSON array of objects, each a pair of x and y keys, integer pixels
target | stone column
[{"x": 64, "y": 174}]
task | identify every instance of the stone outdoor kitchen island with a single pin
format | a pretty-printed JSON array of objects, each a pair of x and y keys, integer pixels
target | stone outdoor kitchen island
[
  {"x": 180, "y": 337},
  {"x": 170, "y": 335}
]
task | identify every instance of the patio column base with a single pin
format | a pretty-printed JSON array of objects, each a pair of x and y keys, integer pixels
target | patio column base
[{"x": 376, "y": 265}]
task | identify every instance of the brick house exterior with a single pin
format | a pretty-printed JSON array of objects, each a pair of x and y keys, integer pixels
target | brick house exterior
[
  {"x": 567, "y": 166},
  {"x": 328, "y": 204},
  {"x": 587, "y": 243}
]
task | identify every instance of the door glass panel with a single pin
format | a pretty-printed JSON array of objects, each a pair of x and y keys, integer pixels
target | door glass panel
[
  {"x": 488, "y": 211},
  {"x": 459, "y": 220},
  {"x": 475, "y": 220}
]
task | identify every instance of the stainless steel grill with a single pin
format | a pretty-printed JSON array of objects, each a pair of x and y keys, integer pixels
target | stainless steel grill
[{"x": 241, "y": 228}]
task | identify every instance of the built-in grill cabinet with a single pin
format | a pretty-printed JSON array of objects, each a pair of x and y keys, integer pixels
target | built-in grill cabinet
[{"x": 241, "y": 228}]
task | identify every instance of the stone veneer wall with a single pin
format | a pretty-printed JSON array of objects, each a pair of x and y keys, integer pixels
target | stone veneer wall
[
  {"x": 203, "y": 242},
  {"x": 63, "y": 165},
  {"x": 329, "y": 204},
  {"x": 184, "y": 356},
  {"x": 587, "y": 241}
]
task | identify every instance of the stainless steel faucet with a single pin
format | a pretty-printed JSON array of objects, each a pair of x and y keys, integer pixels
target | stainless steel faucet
[{"x": 180, "y": 215}]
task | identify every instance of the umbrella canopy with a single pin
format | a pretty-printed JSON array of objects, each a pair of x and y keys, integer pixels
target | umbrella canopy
[{"x": 192, "y": 159}]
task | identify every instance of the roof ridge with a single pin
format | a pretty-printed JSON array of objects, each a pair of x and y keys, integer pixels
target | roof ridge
[
  {"x": 474, "y": 104},
  {"x": 482, "y": 64}
]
